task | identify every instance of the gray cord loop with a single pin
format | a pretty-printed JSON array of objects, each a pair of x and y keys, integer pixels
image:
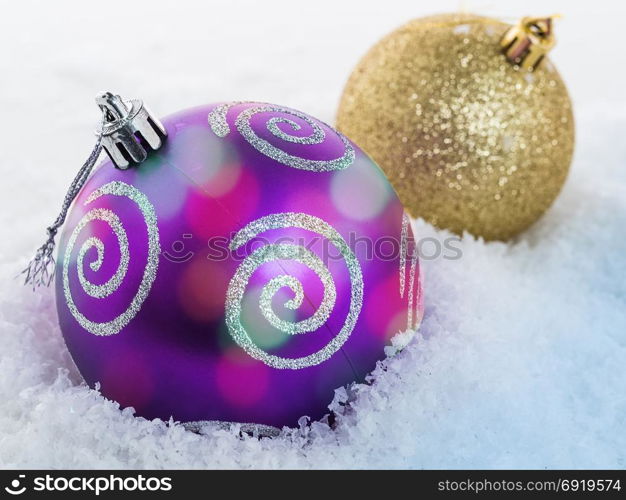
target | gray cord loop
[
  {"x": 127, "y": 133},
  {"x": 40, "y": 270}
]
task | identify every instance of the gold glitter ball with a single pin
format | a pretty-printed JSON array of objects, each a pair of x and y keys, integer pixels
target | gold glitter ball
[{"x": 469, "y": 140}]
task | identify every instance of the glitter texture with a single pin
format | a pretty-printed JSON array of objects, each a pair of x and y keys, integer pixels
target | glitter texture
[
  {"x": 469, "y": 141},
  {"x": 219, "y": 125},
  {"x": 404, "y": 237},
  {"x": 321, "y": 314},
  {"x": 272, "y": 252},
  {"x": 413, "y": 309},
  {"x": 246, "y": 428},
  {"x": 262, "y": 330},
  {"x": 217, "y": 119},
  {"x": 102, "y": 291}
]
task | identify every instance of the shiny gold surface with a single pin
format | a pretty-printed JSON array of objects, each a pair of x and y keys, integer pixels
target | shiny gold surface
[{"x": 469, "y": 141}]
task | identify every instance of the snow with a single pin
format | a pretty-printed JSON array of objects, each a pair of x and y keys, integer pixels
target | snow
[{"x": 521, "y": 357}]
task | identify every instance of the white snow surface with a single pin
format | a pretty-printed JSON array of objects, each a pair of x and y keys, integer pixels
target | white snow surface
[{"x": 520, "y": 361}]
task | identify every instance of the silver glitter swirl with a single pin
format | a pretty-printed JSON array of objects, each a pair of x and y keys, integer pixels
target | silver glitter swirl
[
  {"x": 404, "y": 239},
  {"x": 219, "y": 125},
  {"x": 101, "y": 291},
  {"x": 275, "y": 252},
  {"x": 112, "y": 327},
  {"x": 259, "y": 430},
  {"x": 217, "y": 119},
  {"x": 413, "y": 298},
  {"x": 412, "y": 294}
]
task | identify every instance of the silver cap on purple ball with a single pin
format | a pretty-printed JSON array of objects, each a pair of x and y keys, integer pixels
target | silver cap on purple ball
[{"x": 129, "y": 130}]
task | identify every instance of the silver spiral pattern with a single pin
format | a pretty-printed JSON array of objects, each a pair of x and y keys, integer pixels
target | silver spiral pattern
[
  {"x": 283, "y": 251},
  {"x": 219, "y": 125},
  {"x": 102, "y": 291},
  {"x": 413, "y": 298}
]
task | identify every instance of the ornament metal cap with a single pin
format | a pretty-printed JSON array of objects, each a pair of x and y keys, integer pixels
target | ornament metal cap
[
  {"x": 129, "y": 130},
  {"x": 527, "y": 43}
]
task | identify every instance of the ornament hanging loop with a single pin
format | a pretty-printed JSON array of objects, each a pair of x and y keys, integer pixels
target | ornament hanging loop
[
  {"x": 528, "y": 42},
  {"x": 40, "y": 270},
  {"x": 129, "y": 130}
]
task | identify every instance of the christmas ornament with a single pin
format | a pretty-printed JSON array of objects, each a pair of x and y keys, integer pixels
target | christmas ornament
[
  {"x": 252, "y": 264},
  {"x": 468, "y": 118}
]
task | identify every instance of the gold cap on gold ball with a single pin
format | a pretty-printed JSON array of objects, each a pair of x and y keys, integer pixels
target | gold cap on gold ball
[
  {"x": 527, "y": 43},
  {"x": 470, "y": 140}
]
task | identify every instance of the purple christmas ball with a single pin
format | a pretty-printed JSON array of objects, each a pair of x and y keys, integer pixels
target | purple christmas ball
[{"x": 255, "y": 263}]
